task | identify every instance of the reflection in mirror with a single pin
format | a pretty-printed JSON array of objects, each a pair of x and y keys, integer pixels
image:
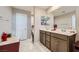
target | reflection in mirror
[
  {"x": 73, "y": 22},
  {"x": 66, "y": 21}
]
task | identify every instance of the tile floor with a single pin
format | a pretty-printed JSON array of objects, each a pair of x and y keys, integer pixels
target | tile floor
[{"x": 28, "y": 46}]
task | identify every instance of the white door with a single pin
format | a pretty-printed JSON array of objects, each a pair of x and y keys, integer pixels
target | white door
[{"x": 21, "y": 26}]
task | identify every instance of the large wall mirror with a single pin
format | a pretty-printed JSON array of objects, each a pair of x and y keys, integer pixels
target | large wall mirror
[{"x": 66, "y": 21}]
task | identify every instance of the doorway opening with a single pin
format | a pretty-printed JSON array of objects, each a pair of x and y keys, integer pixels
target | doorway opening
[{"x": 21, "y": 24}]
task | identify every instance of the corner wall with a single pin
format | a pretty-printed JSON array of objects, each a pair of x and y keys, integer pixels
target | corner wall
[
  {"x": 38, "y": 13},
  {"x": 77, "y": 17},
  {"x": 6, "y": 16}
]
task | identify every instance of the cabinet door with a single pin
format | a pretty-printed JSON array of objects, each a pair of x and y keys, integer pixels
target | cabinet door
[
  {"x": 62, "y": 46},
  {"x": 47, "y": 38},
  {"x": 54, "y": 43},
  {"x": 48, "y": 41},
  {"x": 42, "y": 38}
]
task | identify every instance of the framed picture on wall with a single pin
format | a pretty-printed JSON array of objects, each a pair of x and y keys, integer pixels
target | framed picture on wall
[{"x": 44, "y": 20}]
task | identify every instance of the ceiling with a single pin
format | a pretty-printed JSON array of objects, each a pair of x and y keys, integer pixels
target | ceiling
[
  {"x": 63, "y": 10},
  {"x": 44, "y": 7},
  {"x": 30, "y": 8},
  {"x": 60, "y": 11}
]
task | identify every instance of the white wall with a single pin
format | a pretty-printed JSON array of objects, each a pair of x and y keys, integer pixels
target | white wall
[
  {"x": 38, "y": 13},
  {"x": 6, "y": 14}
]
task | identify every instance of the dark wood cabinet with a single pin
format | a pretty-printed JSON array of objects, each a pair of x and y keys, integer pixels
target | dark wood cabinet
[
  {"x": 57, "y": 42},
  {"x": 62, "y": 46},
  {"x": 14, "y": 47},
  {"x": 54, "y": 44},
  {"x": 48, "y": 41},
  {"x": 42, "y": 37}
]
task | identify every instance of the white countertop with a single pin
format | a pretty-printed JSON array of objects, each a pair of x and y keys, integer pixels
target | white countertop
[
  {"x": 58, "y": 31},
  {"x": 9, "y": 41}
]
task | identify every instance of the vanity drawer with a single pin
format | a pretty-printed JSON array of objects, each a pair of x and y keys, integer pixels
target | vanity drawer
[
  {"x": 43, "y": 41},
  {"x": 52, "y": 34},
  {"x": 47, "y": 38},
  {"x": 41, "y": 31},
  {"x": 48, "y": 33},
  {"x": 42, "y": 35},
  {"x": 48, "y": 44},
  {"x": 59, "y": 36}
]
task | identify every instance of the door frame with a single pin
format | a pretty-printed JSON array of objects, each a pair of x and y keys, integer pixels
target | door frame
[{"x": 28, "y": 13}]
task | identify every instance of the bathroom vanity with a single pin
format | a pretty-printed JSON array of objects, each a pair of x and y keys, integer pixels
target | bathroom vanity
[
  {"x": 11, "y": 45},
  {"x": 57, "y": 41}
]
